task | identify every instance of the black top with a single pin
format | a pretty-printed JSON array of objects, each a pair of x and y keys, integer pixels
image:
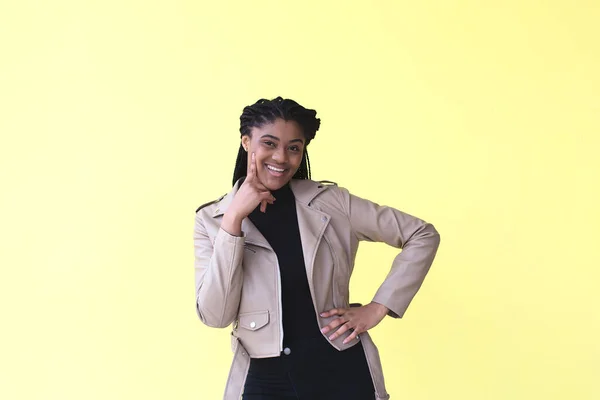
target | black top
[
  {"x": 279, "y": 225},
  {"x": 313, "y": 369}
]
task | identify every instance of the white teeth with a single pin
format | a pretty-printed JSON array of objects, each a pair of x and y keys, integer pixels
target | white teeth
[{"x": 275, "y": 169}]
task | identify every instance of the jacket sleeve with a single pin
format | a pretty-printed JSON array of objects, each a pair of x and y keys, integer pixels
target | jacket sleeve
[
  {"x": 219, "y": 275},
  {"x": 418, "y": 240}
]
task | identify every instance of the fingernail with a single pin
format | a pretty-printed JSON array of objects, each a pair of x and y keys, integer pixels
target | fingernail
[
  {"x": 323, "y": 330},
  {"x": 322, "y": 314},
  {"x": 331, "y": 337}
]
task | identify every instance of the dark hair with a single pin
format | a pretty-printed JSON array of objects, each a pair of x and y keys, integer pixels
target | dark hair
[{"x": 267, "y": 111}]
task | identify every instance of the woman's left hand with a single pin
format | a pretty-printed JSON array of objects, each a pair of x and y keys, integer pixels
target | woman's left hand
[{"x": 359, "y": 319}]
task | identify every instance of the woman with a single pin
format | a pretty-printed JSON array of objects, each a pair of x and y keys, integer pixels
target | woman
[{"x": 274, "y": 258}]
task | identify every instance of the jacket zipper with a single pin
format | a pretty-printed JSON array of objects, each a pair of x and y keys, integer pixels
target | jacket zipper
[
  {"x": 280, "y": 310},
  {"x": 333, "y": 279}
]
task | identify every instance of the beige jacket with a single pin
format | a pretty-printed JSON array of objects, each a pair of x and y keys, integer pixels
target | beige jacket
[{"x": 238, "y": 281}]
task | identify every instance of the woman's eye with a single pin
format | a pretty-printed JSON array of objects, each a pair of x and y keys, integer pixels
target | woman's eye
[
  {"x": 295, "y": 148},
  {"x": 270, "y": 144}
]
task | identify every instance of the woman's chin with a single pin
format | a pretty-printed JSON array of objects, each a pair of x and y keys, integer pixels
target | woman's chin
[
  {"x": 273, "y": 187},
  {"x": 275, "y": 183}
]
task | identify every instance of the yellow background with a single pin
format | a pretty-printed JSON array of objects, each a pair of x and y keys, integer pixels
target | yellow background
[{"x": 118, "y": 118}]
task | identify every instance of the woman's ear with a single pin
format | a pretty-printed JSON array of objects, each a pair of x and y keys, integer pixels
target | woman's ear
[{"x": 246, "y": 142}]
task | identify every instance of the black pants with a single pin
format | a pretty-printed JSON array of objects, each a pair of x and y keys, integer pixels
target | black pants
[{"x": 313, "y": 370}]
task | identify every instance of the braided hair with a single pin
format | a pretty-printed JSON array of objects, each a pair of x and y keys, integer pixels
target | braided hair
[{"x": 267, "y": 111}]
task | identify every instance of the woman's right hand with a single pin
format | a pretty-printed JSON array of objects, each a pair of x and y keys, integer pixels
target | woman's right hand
[{"x": 248, "y": 197}]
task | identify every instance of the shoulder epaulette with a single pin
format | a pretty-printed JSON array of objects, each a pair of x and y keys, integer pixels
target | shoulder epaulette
[
  {"x": 210, "y": 202},
  {"x": 327, "y": 183}
]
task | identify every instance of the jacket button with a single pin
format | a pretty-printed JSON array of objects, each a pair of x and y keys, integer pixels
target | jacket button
[
  {"x": 324, "y": 218},
  {"x": 252, "y": 324},
  {"x": 287, "y": 351}
]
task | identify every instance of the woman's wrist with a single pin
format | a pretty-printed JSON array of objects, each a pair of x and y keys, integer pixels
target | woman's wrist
[
  {"x": 380, "y": 309},
  {"x": 232, "y": 224}
]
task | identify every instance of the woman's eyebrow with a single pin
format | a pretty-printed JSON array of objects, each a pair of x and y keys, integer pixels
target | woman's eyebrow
[
  {"x": 276, "y": 138},
  {"x": 270, "y": 136}
]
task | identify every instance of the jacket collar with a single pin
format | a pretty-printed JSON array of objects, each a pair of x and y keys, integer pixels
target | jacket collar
[
  {"x": 305, "y": 190},
  {"x": 311, "y": 222}
]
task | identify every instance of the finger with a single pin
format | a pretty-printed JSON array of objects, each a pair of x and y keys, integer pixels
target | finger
[
  {"x": 252, "y": 169},
  {"x": 264, "y": 193},
  {"x": 344, "y": 328},
  {"x": 333, "y": 324},
  {"x": 332, "y": 312},
  {"x": 351, "y": 337},
  {"x": 265, "y": 198}
]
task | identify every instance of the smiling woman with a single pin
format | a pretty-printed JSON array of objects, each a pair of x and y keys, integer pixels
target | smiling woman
[
  {"x": 279, "y": 150},
  {"x": 273, "y": 119},
  {"x": 274, "y": 258}
]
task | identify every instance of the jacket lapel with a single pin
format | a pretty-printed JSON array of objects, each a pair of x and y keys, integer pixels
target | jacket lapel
[
  {"x": 311, "y": 222},
  {"x": 253, "y": 235}
]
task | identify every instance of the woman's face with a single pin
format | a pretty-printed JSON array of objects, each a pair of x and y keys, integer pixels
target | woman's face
[{"x": 278, "y": 149}]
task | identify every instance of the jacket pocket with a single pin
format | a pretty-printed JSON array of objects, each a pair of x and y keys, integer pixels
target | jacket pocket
[{"x": 253, "y": 321}]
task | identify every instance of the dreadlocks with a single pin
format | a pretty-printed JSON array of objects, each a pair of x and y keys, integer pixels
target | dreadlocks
[{"x": 267, "y": 111}]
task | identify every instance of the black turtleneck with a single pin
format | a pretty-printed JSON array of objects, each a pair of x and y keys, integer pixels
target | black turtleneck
[
  {"x": 313, "y": 369},
  {"x": 279, "y": 225}
]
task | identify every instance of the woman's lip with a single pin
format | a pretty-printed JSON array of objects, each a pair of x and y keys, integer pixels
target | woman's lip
[{"x": 275, "y": 173}]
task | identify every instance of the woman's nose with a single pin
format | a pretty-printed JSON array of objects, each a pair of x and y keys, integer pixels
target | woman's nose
[{"x": 279, "y": 155}]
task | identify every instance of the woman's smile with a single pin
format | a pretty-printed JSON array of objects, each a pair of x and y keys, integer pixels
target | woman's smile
[{"x": 278, "y": 172}]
